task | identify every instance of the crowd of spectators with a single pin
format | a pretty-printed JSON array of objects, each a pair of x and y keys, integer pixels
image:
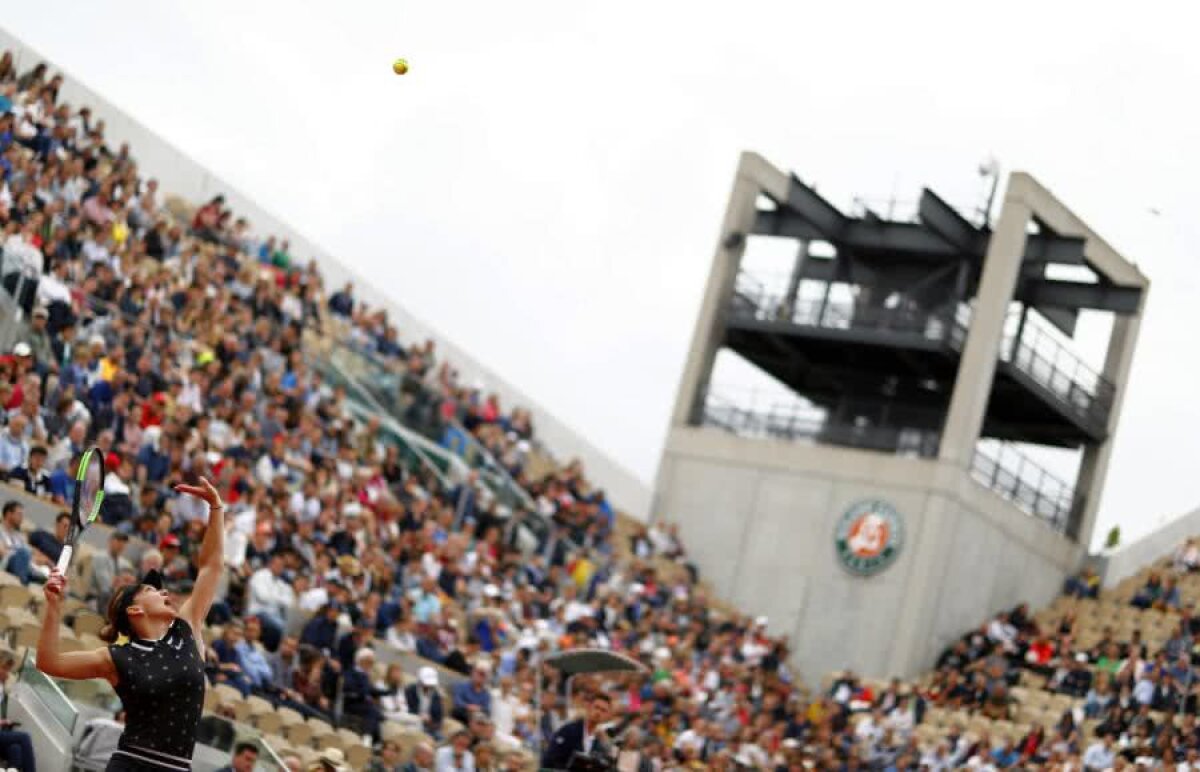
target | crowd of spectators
[
  {"x": 190, "y": 347},
  {"x": 187, "y": 348}
]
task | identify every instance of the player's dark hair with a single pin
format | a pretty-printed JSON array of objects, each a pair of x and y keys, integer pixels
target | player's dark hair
[
  {"x": 62, "y": 516},
  {"x": 9, "y": 506},
  {"x": 243, "y": 746},
  {"x": 118, "y": 621}
]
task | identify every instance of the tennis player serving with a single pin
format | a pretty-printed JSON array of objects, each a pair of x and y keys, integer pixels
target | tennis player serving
[{"x": 159, "y": 673}]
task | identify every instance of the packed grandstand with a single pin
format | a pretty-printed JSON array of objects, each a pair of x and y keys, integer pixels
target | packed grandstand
[{"x": 384, "y": 608}]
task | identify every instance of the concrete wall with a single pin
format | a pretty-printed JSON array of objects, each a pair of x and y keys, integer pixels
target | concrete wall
[
  {"x": 758, "y": 517},
  {"x": 1133, "y": 557},
  {"x": 181, "y": 175}
]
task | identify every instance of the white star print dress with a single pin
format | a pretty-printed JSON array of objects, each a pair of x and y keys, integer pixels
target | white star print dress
[{"x": 161, "y": 685}]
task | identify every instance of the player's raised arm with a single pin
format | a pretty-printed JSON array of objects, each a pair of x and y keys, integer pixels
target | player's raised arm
[
  {"x": 212, "y": 551},
  {"x": 54, "y": 662}
]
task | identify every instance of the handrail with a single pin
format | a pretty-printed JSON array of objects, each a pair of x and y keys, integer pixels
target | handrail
[
  {"x": 794, "y": 419},
  {"x": 1026, "y": 484},
  {"x": 474, "y": 450},
  {"x": 28, "y": 667},
  {"x": 1027, "y": 345}
]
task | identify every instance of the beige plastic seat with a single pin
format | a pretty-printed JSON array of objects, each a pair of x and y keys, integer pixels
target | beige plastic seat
[
  {"x": 267, "y": 723},
  {"x": 13, "y": 596},
  {"x": 391, "y": 730},
  {"x": 349, "y": 738},
  {"x": 298, "y": 734},
  {"x": 259, "y": 706},
  {"x": 27, "y": 635},
  {"x": 358, "y": 756},
  {"x": 288, "y": 716},
  {"x": 323, "y": 734}
]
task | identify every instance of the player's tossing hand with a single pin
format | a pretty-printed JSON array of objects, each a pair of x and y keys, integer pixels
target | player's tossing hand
[{"x": 204, "y": 491}]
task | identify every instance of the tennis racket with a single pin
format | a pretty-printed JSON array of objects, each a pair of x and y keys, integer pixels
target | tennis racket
[{"x": 85, "y": 505}]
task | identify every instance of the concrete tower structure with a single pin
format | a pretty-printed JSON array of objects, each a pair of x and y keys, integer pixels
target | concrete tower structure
[{"x": 875, "y": 512}]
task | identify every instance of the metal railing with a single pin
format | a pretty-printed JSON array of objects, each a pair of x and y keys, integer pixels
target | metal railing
[
  {"x": 757, "y": 415},
  {"x": 1014, "y": 476},
  {"x": 1031, "y": 348},
  {"x": 48, "y": 692},
  {"x": 754, "y": 300},
  {"x": 1028, "y": 345},
  {"x": 418, "y": 407}
]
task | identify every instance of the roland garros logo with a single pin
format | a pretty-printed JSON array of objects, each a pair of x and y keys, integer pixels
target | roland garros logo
[{"x": 869, "y": 536}]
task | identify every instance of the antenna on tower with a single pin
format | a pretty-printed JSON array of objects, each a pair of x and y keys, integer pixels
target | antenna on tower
[{"x": 989, "y": 170}]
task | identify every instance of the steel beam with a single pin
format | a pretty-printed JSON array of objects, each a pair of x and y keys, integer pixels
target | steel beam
[{"x": 1075, "y": 295}]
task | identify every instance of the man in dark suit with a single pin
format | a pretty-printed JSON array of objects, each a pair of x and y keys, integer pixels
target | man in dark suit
[
  {"x": 582, "y": 736},
  {"x": 425, "y": 700}
]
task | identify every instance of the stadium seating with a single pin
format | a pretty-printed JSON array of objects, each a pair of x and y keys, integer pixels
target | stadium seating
[{"x": 157, "y": 320}]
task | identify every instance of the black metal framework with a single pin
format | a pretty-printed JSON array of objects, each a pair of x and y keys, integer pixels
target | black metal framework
[
  {"x": 867, "y": 329},
  {"x": 1031, "y": 356},
  {"x": 794, "y": 420},
  {"x": 997, "y": 466}
]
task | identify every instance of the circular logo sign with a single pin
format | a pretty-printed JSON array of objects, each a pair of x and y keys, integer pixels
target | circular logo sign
[{"x": 869, "y": 536}]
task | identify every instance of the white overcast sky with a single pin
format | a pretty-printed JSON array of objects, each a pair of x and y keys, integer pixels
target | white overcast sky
[{"x": 545, "y": 185}]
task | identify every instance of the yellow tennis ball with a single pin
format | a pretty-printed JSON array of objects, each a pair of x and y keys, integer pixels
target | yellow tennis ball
[{"x": 400, "y": 66}]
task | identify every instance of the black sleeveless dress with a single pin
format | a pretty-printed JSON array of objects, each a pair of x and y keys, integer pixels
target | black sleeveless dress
[{"x": 161, "y": 685}]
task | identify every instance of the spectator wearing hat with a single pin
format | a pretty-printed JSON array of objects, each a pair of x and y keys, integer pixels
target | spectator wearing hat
[
  {"x": 41, "y": 343},
  {"x": 425, "y": 701},
  {"x": 330, "y": 760},
  {"x": 175, "y": 566},
  {"x": 360, "y": 698}
]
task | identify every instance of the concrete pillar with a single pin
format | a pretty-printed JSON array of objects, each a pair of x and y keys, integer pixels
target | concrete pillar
[
  {"x": 976, "y": 369},
  {"x": 1093, "y": 468},
  {"x": 754, "y": 177}
]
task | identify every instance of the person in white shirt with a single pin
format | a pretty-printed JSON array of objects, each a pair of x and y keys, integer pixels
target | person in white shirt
[
  {"x": 400, "y": 635},
  {"x": 691, "y": 738},
  {"x": 391, "y": 699},
  {"x": 573, "y": 608},
  {"x": 23, "y": 265},
  {"x": 1002, "y": 632},
  {"x": 869, "y": 729},
  {"x": 269, "y": 598},
  {"x": 456, "y": 757},
  {"x": 309, "y": 598},
  {"x": 505, "y": 704}
]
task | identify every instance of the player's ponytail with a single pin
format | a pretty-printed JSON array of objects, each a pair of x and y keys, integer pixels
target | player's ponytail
[
  {"x": 108, "y": 633},
  {"x": 116, "y": 615}
]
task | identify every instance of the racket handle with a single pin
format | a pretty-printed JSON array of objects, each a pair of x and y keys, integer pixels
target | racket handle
[{"x": 64, "y": 559}]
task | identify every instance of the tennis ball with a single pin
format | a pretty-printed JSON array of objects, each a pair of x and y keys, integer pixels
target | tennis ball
[{"x": 400, "y": 66}]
